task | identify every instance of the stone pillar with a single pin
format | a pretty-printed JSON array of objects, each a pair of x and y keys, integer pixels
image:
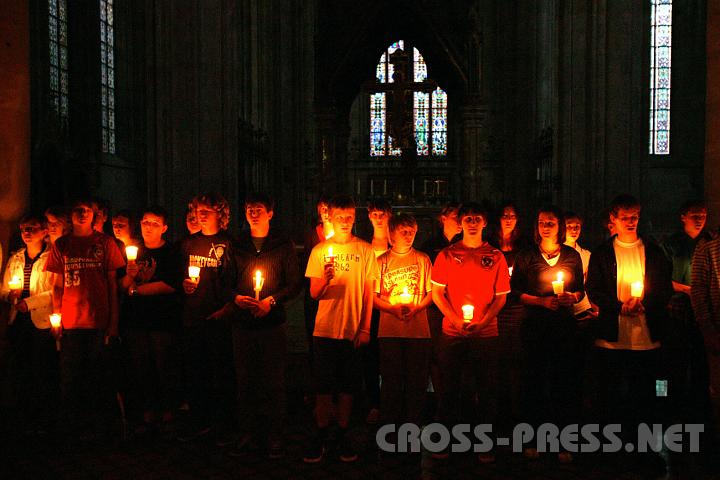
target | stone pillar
[
  {"x": 712, "y": 116},
  {"x": 478, "y": 172},
  {"x": 332, "y": 137},
  {"x": 14, "y": 116}
]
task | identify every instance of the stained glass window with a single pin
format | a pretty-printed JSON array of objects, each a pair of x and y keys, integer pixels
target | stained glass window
[
  {"x": 58, "y": 45},
  {"x": 429, "y": 110},
  {"x": 660, "y": 55},
  {"x": 107, "y": 75}
]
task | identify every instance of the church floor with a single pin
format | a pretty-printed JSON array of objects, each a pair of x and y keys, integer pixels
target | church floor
[
  {"x": 160, "y": 458},
  {"x": 163, "y": 458}
]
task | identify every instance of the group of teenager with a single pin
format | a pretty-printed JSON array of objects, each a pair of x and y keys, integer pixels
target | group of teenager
[{"x": 501, "y": 326}]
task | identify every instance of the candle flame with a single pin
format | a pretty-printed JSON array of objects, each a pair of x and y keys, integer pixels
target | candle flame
[
  {"x": 405, "y": 290},
  {"x": 560, "y": 276},
  {"x": 55, "y": 320},
  {"x": 330, "y": 253}
]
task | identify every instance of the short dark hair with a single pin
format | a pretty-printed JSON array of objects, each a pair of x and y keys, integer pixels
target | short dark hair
[
  {"x": 570, "y": 214},
  {"x": 260, "y": 198},
  {"x": 341, "y": 201},
  {"x": 126, "y": 213},
  {"x": 558, "y": 213},
  {"x": 448, "y": 209},
  {"x": 33, "y": 217},
  {"x": 86, "y": 201},
  {"x": 694, "y": 204},
  {"x": 158, "y": 211},
  {"x": 623, "y": 201},
  {"x": 401, "y": 220},
  {"x": 61, "y": 212},
  {"x": 469, "y": 208},
  {"x": 102, "y": 205},
  {"x": 379, "y": 205}
]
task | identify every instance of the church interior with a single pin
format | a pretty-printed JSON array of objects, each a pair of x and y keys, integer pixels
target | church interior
[
  {"x": 539, "y": 102},
  {"x": 415, "y": 102}
]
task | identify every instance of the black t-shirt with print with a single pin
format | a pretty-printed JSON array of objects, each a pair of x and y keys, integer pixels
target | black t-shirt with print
[
  {"x": 213, "y": 254},
  {"x": 157, "y": 312}
]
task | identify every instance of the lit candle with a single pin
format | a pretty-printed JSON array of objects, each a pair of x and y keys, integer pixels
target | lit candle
[
  {"x": 405, "y": 297},
  {"x": 636, "y": 289},
  {"x": 468, "y": 312},
  {"x": 15, "y": 283},
  {"x": 55, "y": 320},
  {"x": 194, "y": 273},
  {"x": 330, "y": 258},
  {"x": 258, "y": 284},
  {"x": 558, "y": 285},
  {"x": 510, "y": 271},
  {"x": 131, "y": 253},
  {"x": 56, "y": 328}
]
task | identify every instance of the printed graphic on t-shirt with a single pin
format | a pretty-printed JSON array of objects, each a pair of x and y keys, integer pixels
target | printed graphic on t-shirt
[
  {"x": 93, "y": 260},
  {"x": 213, "y": 258},
  {"x": 399, "y": 281},
  {"x": 344, "y": 261}
]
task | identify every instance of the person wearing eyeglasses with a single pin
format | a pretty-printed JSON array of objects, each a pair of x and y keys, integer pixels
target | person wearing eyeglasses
[
  {"x": 32, "y": 345},
  {"x": 85, "y": 293},
  {"x": 629, "y": 279},
  {"x": 152, "y": 324},
  {"x": 470, "y": 283},
  {"x": 548, "y": 328}
]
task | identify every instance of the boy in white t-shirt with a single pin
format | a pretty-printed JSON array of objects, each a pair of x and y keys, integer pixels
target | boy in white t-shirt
[
  {"x": 629, "y": 278},
  {"x": 342, "y": 271}
]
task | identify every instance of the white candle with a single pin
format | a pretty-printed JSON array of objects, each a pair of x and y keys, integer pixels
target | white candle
[
  {"x": 56, "y": 327},
  {"x": 55, "y": 320},
  {"x": 558, "y": 285},
  {"x": 405, "y": 297},
  {"x": 131, "y": 252},
  {"x": 330, "y": 258},
  {"x": 258, "y": 283},
  {"x": 194, "y": 273},
  {"x": 636, "y": 289},
  {"x": 468, "y": 312},
  {"x": 15, "y": 283}
]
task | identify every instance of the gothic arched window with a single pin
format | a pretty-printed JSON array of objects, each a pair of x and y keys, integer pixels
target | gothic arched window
[
  {"x": 660, "y": 55},
  {"x": 429, "y": 110},
  {"x": 107, "y": 75},
  {"x": 58, "y": 45}
]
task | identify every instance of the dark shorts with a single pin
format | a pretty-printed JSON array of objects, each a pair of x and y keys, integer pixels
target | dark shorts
[{"x": 337, "y": 366}]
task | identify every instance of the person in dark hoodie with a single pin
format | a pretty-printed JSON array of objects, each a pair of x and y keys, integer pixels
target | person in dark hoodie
[
  {"x": 268, "y": 275},
  {"x": 629, "y": 279}
]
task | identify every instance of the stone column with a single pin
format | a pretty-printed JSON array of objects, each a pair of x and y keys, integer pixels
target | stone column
[
  {"x": 478, "y": 172},
  {"x": 712, "y": 116},
  {"x": 14, "y": 116},
  {"x": 332, "y": 136}
]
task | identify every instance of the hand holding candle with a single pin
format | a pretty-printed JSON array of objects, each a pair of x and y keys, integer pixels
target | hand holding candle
[
  {"x": 131, "y": 252},
  {"x": 468, "y": 312},
  {"x": 56, "y": 328},
  {"x": 258, "y": 283},
  {"x": 194, "y": 273},
  {"x": 330, "y": 263},
  {"x": 405, "y": 300},
  {"x": 559, "y": 284},
  {"x": 15, "y": 286},
  {"x": 15, "y": 283}
]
